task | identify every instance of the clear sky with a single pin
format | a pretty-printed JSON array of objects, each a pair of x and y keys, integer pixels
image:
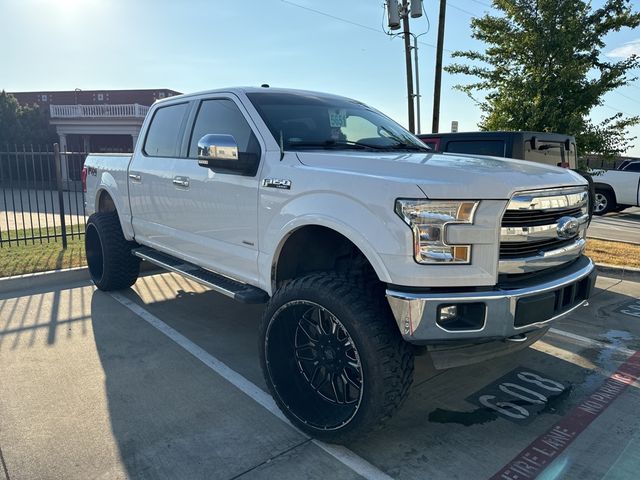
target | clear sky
[{"x": 191, "y": 45}]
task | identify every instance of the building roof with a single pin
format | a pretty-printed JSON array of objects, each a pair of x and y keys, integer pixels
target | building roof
[{"x": 92, "y": 97}]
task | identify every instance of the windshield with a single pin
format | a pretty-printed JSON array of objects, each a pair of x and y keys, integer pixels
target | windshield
[{"x": 307, "y": 121}]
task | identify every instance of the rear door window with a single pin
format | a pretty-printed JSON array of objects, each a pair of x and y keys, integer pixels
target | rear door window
[
  {"x": 164, "y": 135},
  {"x": 494, "y": 148}
]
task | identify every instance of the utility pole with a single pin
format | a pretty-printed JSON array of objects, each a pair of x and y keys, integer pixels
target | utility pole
[
  {"x": 417, "y": 95},
  {"x": 407, "y": 52},
  {"x": 438, "y": 78}
]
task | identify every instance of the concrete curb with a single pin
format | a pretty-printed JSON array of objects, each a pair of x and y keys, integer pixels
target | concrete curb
[
  {"x": 622, "y": 273},
  {"x": 54, "y": 278},
  {"x": 50, "y": 278}
]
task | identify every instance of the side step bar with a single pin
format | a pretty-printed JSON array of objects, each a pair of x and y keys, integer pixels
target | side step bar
[{"x": 238, "y": 291}]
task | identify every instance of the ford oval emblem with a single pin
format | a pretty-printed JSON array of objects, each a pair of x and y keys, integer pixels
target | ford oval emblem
[{"x": 567, "y": 227}]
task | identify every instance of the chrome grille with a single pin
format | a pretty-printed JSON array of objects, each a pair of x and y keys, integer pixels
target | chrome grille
[
  {"x": 519, "y": 218},
  {"x": 536, "y": 233}
]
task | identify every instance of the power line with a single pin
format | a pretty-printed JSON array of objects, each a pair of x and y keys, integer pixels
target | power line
[
  {"x": 331, "y": 16},
  {"x": 627, "y": 97},
  {"x": 617, "y": 110},
  {"x": 482, "y": 3},
  {"x": 350, "y": 22},
  {"x": 473, "y": 15}
]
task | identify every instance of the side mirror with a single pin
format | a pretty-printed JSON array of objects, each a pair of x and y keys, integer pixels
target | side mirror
[
  {"x": 217, "y": 147},
  {"x": 220, "y": 153}
]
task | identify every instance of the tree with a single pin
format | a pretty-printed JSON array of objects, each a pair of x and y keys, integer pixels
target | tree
[
  {"x": 23, "y": 124},
  {"x": 543, "y": 69}
]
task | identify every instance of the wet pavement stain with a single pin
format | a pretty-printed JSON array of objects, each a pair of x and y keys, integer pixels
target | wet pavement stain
[{"x": 478, "y": 416}]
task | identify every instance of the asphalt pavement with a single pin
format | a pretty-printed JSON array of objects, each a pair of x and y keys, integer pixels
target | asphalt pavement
[
  {"x": 163, "y": 381},
  {"x": 621, "y": 226}
]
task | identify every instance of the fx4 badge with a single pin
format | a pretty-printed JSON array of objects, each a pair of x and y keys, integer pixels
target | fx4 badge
[{"x": 277, "y": 183}]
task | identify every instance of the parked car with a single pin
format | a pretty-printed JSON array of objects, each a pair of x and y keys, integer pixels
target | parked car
[
  {"x": 631, "y": 165},
  {"x": 540, "y": 147},
  {"x": 617, "y": 189},
  {"x": 549, "y": 148},
  {"x": 366, "y": 246}
]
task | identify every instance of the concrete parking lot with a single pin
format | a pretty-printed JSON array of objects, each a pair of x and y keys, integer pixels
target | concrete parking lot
[{"x": 163, "y": 381}]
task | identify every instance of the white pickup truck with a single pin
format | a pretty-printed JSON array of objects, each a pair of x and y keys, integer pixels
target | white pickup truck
[
  {"x": 617, "y": 189},
  {"x": 367, "y": 247}
]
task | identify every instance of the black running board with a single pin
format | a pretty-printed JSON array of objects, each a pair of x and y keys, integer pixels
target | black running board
[{"x": 238, "y": 291}]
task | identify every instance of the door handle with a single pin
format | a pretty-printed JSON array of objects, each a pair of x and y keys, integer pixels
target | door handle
[
  {"x": 135, "y": 177},
  {"x": 181, "y": 182}
]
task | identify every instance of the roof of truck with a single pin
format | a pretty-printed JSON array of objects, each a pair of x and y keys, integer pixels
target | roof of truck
[{"x": 246, "y": 90}]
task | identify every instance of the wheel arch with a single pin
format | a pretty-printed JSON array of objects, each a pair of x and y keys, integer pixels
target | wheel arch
[
  {"x": 604, "y": 186},
  {"x": 319, "y": 246},
  {"x": 106, "y": 200}
]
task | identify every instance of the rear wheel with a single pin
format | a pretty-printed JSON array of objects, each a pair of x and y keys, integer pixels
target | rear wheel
[
  {"x": 333, "y": 359},
  {"x": 111, "y": 264},
  {"x": 605, "y": 202}
]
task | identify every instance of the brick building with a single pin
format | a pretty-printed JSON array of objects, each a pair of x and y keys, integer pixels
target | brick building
[{"x": 96, "y": 120}]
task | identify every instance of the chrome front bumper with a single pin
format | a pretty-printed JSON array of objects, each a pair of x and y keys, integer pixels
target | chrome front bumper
[{"x": 504, "y": 311}]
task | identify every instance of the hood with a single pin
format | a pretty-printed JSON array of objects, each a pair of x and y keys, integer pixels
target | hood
[{"x": 448, "y": 176}]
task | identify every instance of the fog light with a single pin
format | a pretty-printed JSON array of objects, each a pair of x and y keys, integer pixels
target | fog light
[
  {"x": 447, "y": 313},
  {"x": 461, "y": 316}
]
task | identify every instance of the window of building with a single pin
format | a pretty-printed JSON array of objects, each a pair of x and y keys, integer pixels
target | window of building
[
  {"x": 160, "y": 94},
  {"x": 163, "y": 137},
  {"x": 223, "y": 117},
  {"x": 100, "y": 97},
  {"x": 44, "y": 97}
]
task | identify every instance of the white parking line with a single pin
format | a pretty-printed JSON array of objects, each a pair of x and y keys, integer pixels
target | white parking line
[
  {"x": 342, "y": 454},
  {"x": 590, "y": 341}
]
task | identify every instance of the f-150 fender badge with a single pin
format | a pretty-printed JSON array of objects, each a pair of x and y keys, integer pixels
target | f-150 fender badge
[{"x": 277, "y": 183}]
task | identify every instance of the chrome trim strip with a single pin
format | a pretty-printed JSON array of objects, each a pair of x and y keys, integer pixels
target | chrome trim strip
[
  {"x": 546, "y": 259},
  {"x": 496, "y": 294},
  {"x": 539, "y": 232},
  {"x": 553, "y": 199}
]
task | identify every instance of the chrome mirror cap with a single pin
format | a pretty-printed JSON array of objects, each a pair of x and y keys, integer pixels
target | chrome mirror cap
[{"x": 217, "y": 147}]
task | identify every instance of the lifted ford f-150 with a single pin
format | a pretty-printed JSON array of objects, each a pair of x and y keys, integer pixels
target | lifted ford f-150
[{"x": 365, "y": 245}]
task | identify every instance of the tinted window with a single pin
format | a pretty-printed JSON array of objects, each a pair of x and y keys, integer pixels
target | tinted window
[
  {"x": 493, "y": 148},
  {"x": 163, "y": 137},
  {"x": 632, "y": 167},
  {"x": 223, "y": 117},
  {"x": 551, "y": 153}
]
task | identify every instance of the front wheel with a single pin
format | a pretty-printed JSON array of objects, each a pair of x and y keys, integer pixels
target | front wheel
[{"x": 333, "y": 357}]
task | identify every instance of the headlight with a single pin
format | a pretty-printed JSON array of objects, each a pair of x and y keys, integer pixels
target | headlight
[{"x": 428, "y": 220}]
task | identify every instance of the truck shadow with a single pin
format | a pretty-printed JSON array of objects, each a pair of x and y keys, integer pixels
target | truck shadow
[{"x": 162, "y": 414}]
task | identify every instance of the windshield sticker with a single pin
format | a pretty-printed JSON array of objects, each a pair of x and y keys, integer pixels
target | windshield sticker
[{"x": 338, "y": 117}]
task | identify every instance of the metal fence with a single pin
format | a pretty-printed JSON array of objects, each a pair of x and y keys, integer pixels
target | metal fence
[{"x": 41, "y": 197}]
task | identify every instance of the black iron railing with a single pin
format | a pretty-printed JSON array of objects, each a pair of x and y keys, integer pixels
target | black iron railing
[{"x": 41, "y": 197}]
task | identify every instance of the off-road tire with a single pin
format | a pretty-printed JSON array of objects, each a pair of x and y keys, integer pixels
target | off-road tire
[
  {"x": 111, "y": 264},
  {"x": 386, "y": 359},
  {"x": 605, "y": 202}
]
